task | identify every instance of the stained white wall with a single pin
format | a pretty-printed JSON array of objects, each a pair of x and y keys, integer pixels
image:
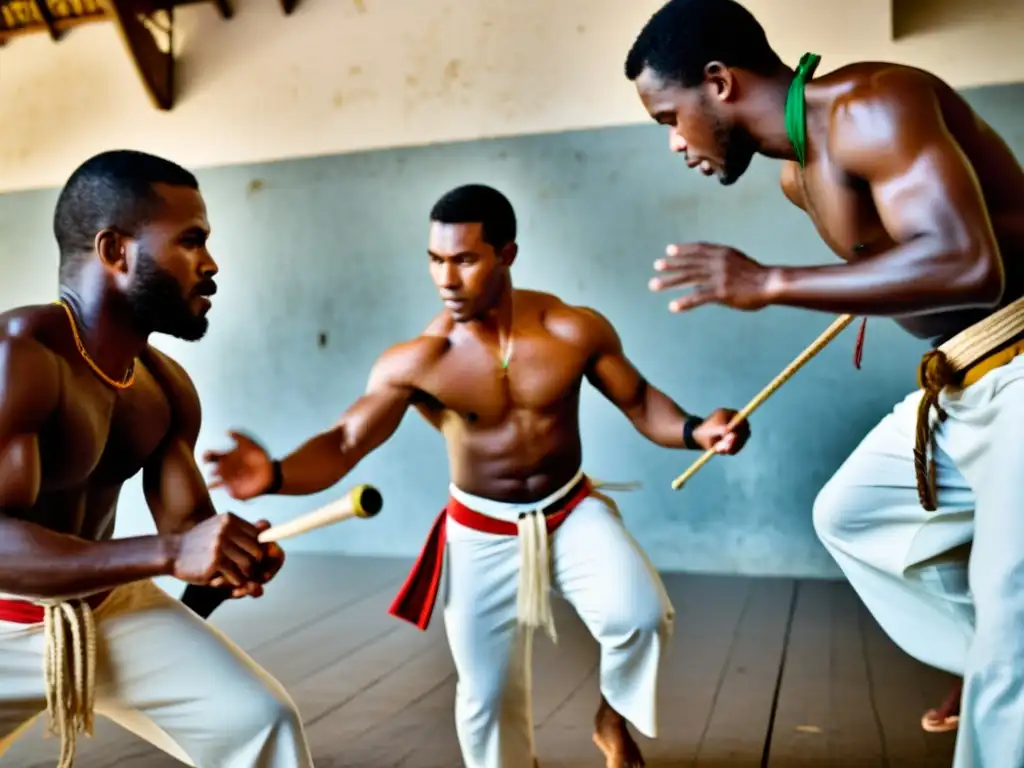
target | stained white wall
[{"x": 343, "y": 75}]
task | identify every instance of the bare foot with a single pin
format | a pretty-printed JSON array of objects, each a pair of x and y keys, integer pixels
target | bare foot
[
  {"x": 611, "y": 735},
  {"x": 947, "y": 716}
]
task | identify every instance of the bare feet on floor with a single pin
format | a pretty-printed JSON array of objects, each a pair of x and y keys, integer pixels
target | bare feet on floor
[
  {"x": 611, "y": 735},
  {"x": 947, "y": 716}
]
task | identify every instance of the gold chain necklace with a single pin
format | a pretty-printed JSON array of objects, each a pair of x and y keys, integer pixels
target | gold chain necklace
[{"x": 129, "y": 377}]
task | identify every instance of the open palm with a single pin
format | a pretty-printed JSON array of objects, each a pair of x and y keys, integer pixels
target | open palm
[{"x": 245, "y": 471}]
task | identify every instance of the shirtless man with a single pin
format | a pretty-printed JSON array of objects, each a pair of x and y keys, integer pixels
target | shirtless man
[
  {"x": 85, "y": 404},
  {"x": 925, "y": 204},
  {"x": 499, "y": 373}
]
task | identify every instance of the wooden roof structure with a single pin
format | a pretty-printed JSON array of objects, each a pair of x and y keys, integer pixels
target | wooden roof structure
[{"x": 146, "y": 28}]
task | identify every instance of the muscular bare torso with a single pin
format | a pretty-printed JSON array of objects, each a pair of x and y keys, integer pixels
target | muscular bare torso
[
  {"x": 97, "y": 437},
  {"x": 846, "y": 218},
  {"x": 512, "y": 434}
]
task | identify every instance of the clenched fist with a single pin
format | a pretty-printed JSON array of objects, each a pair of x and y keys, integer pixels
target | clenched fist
[
  {"x": 224, "y": 550},
  {"x": 714, "y": 433}
]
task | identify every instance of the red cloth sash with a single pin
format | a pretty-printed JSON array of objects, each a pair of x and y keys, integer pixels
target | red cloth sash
[
  {"x": 24, "y": 612},
  {"x": 415, "y": 600}
]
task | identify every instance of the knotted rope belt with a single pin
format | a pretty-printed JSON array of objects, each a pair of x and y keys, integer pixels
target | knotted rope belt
[
  {"x": 69, "y": 664},
  {"x": 957, "y": 364}
]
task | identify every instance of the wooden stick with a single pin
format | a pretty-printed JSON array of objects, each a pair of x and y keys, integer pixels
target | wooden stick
[
  {"x": 816, "y": 346},
  {"x": 361, "y": 501}
]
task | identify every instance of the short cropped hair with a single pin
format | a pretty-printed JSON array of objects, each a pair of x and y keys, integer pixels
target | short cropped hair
[
  {"x": 478, "y": 203},
  {"x": 684, "y": 36},
  {"x": 111, "y": 190}
]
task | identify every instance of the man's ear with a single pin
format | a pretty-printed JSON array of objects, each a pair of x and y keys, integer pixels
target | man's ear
[
  {"x": 112, "y": 249},
  {"x": 721, "y": 81},
  {"x": 508, "y": 253}
]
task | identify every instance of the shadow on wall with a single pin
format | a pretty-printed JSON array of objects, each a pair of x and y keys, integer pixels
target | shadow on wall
[{"x": 323, "y": 265}]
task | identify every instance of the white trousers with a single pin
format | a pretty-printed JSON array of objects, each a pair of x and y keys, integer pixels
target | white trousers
[
  {"x": 947, "y": 586},
  {"x": 170, "y": 678},
  {"x": 600, "y": 569}
]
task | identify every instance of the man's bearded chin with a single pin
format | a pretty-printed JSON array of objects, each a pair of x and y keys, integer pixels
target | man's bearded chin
[{"x": 156, "y": 304}]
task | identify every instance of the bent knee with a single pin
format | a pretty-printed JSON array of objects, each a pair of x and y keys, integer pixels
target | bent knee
[
  {"x": 637, "y": 619},
  {"x": 836, "y": 509},
  {"x": 269, "y": 710}
]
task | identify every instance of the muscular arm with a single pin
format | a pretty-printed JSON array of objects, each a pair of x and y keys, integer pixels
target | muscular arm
[
  {"x": 35, "y": 561},
  {"x": 891, "y": 136},
  {"x": 175, "y": 490},
  {"x": 325, "y": 459},
  {"x": 650, "y": 410}
]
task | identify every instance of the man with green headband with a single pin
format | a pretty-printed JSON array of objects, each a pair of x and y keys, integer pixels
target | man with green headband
[{"x": 924, "y": 204}]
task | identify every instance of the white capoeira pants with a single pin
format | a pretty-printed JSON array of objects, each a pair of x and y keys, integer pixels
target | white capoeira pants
[
  {"x": 947, "y": 586},
  {"x": 600, "y": 570},
  {"x": 170, "y": 678}
]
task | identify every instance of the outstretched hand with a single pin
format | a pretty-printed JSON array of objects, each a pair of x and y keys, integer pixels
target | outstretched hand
[
  {"x": 245, "y": 471},
  {"x": 717, "y": 274},
  {"x": 714, "y": 433}
]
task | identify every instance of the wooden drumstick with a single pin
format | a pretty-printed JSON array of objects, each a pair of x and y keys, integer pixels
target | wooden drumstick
[
  {"x": 361, "y": 501},
  {"x": 816, "y": 346}
]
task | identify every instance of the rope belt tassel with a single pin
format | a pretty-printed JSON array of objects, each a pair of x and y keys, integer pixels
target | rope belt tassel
[
  {"x": 934, "y": 374},
  {"x": 944, "y": 368},
  {"x": 534, "y": 597},
  {"x": 69, "y": 673}
]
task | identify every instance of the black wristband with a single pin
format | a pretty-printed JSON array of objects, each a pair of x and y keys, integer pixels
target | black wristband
[
  {"x": 277, "y": 481},
  {"x": 691, "y": 423}
]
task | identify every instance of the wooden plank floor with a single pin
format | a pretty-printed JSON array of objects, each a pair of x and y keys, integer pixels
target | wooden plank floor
[{"x": 762, "y": 672}]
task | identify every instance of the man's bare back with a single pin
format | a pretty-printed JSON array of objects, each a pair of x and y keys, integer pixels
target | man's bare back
[
  {"x": 902, "y": 179},
  {"x": 924, "y": 201},
  {"x": 869, "y": 104}
]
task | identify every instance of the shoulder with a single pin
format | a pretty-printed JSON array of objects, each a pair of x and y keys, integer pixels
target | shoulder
[
  {"x": 403, "y": 364},
  {"x": 171, "y": 375},
  {"x": 47, "y": 324},
  {"x": 30, "y": 367},
  {"x": 884, "y": 112},
  {"x": 579, "y": 325},
  {"x": 177, "y": 387}
]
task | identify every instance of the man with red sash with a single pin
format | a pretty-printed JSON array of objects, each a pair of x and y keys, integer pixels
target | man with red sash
[
  {"x": 85, "y": 404},
  {"x": 499, "y": 373}
]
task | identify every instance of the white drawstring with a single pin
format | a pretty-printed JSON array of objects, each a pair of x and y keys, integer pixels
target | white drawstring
[{"x": 534, "y": 597}]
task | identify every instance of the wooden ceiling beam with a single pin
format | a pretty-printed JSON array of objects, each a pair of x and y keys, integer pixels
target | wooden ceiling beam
[
  {"x": 25, "y": 17},
  {"x": 154, "y": 63},
  {"x": 141, "y": 24},
  {"x": 147, "y": 37},
  {"x": 44, "y": 13}
]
